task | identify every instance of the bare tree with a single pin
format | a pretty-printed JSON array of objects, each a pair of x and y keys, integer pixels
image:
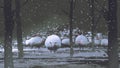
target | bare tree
[
  {"x": 112, "y": 35},
  {"x": 9, "y": 25},
  {"x": 71, "y": 26},
  {"x": 18, "y": 28},
  {"x": 92, "y": 17}
]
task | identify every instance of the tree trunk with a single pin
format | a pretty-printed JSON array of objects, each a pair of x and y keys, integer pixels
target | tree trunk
[
  {"x": 9, "y": 25},
  {"x": 19, "y": 29},
  {"x": 112, "y": 35},
  {"x": 93, "y": 27},
  {"x": 71, "y": 26}
]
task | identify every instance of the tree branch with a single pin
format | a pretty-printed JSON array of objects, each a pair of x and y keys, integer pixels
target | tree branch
[
  {"x": 25, "y": 3},
  {"x": 103, "y": 11},
  {"x": 65, "y": 12}
]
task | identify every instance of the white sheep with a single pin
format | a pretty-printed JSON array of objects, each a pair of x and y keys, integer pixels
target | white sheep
[
  {"x": 34, "y": 41},
  {"x": 89, "y": 39},
  {"x": 66, "y": 42},
  {"x": 96, "y": 41},
  {"x": 81, "y": 41},
  {"x": 53, "y": 42},
  {"x": 104, "y": 42},
  {"x": 99, "y": 35}
]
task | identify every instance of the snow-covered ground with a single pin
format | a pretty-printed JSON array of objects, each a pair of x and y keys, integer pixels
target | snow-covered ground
[
  {"x": 61, "y": 52},
  {"x": 43, "y": 58}
]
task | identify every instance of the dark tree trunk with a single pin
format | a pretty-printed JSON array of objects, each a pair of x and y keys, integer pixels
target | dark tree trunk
[
  {"x": 92, "y": 15},
  {"x": 9, "y": 25},
  {"x": 112, "y": 35},
  {"x": 92, "y": 10},
  {"x": 19, "y": 29},
  {"x": 71, "y": 26}
]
